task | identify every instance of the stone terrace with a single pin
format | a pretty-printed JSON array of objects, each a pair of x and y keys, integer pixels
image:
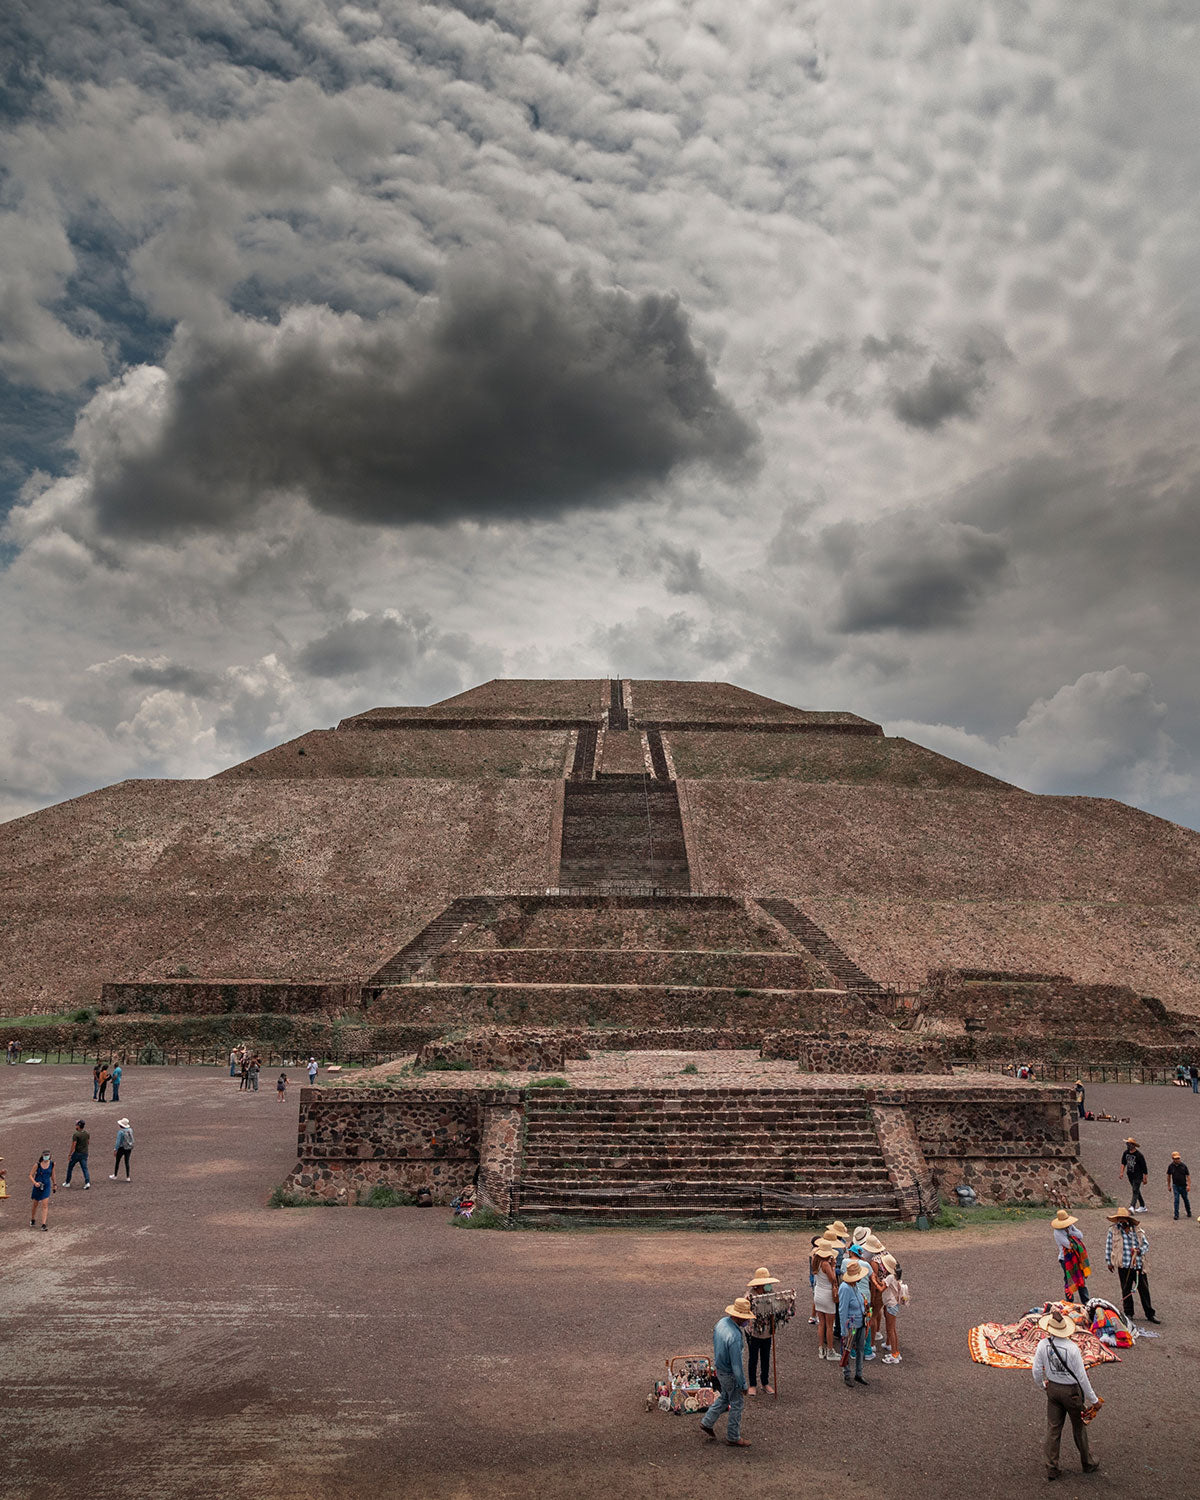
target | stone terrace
[
  {"x": 470, "y": 754},
  {"x": 847, "y": 759}
]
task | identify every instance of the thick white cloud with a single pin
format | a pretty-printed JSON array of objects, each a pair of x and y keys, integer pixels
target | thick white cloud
[{"x": 943, "y": 256}]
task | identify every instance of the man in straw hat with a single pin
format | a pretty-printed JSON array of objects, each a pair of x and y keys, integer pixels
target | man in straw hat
[
  {"x": 1058, "y": 1370},
  {"x": 760, "y": 1333},
  {"x": 1133, "y": 1166},
  {"x": 1179, "y": 1180},
  {"x": 727, "y": 1348},
  {"x": 1131, "y": 1261},
  {"x": 1072, "y": 1256},
  {"x": 852, "y": 1304}
]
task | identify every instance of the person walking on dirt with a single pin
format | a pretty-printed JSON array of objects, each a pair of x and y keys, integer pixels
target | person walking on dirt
[
  {"x": 41, "y": 1175},
  {"x": 255, "y": 1069},
  {"x": 728, "y": 1356},
  {"x": 1133, "y": 1166},
  {"x": 1179, "y": 1181},
  {"x": 825, "y": 1296},
  {"x": 1130, "y": 1263},
  {"x": 123, "y": 1148},
  {"x": 80, "y": 1137},
  {"x": 281, "y": 1084},
  {"x": 116, "y": 1083},
  {"x": 1058, "y": 1370},
  {"x": 312, "y": 1071},
  {"x": 244, "y": 1072},
  {"x": 1080, "y": 1095},
  {"x": 1072, "y": 1256},
  {"x": 105, "y": 1075},
  {"x": 233, "y": 1062},
  {"x": 95, "y": 1083}
]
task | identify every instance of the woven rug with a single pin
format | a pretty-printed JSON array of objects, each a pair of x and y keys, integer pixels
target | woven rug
[{"x": 1011, "y": 1346}]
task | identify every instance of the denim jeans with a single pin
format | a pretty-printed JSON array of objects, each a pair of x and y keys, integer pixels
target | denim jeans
[
  {"x": 1187, "y": 1207},
  {"x": 730, "y": 1400},
  {"x": 78, "y": 1160},
  {"x": 1135, "y": 1193},
  {"x": 853, "y": 1340}
]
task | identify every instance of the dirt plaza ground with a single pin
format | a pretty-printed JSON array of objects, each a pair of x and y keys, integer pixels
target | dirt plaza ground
[{"x": 178, "y": 1337}]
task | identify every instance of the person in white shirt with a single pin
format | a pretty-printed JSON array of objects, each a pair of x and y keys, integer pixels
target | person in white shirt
[{"x": 1058, "y": 1369}]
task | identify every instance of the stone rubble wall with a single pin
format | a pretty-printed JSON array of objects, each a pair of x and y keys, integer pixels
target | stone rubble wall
[{"x": 861, "y": 1052}]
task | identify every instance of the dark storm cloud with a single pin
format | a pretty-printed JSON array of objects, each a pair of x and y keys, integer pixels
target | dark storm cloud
[
  {"x": 513, "y": 396},
  {"x": 813, "y": 365},
  {"x": 382, "y": 640},
  {"x": 949, "y": 388},
  {"x": 175, "y": 677},
  {"x": 912, "y": 573}
]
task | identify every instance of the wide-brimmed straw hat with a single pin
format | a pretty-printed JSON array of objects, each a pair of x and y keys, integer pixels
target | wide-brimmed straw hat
[
  {"x": 761, "y": 1277},
  {"x": 1123, "y": 1216},
  {"x": 826, "y": 1249},
  {"x": 1056, "y": 1324},
  {"x": 855, "y": 1271},
  {"x": 1063, "y": 1220},
  {"x": 839, "y": 1226},
  {"x": 1129, "y": 1141},
  {"x": 890, "y": 1262},
  {"x": 837, "y": 1236},
  {"x": 124, "y": 1124},
  {"x": 873, "y": 1245},
  {"x": 861, "y": 1233},
  {"x": 740, "y": 1308}
]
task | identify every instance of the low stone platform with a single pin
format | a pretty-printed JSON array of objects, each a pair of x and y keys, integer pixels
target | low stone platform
[{"x": 671, "y": 1132}]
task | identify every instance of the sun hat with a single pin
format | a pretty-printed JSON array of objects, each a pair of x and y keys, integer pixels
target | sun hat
[
  {"x": 740, "y": 1308},
  {"x": 890, "y": 1262},
  {"x": 761, "y": 1276},
  {"x": 861, "y": 1234},
  {"x": 1056, "y": 1324},
  {"x": 124, "y": 1124},
  {"x": 855, "y": 1271},
  {"x": 837, "y": 1236},
  {"x": 826, "y": 1249},
  {"x": 1123, "y": 1215},
  {"x": 1129, "y": 1141},
  {"x": 873, "y": 1245},
  {"x": 839, "y": 1226},
  {"x": 1063, "y": 1220}
]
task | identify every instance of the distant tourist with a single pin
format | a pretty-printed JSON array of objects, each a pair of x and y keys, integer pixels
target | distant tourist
[
  {"x": 281, "y": 1084},
  {"x": 14, "y": 1052},
  {"x": 123, "y": 1149},
  {"x": 825, "y": 1296},
  {"x": 312, "y": 1071},
  {"x": 254, "y": 1070},
  {"x": 116, "y": 1084},
  {"x": 233, "y": 1062},
  {"x": 727, "y": 1351},
  {"x": 96, "y": 1082},
  {"x": 41, "y": 1175},
  {"x": 759, "y": 1336},
  {"x": 244, "y": 1072},
  {"x": 1133, "y": 1166},
  {"x": 852, "y": 1304},
  {"x": 1080, "y": 1095},
  {"x": 105, "y": 1075},
  {"x": 1058, "y": 1370},
  {"x": 1130, "y": 1262},
  {"x": 868, "y": 1248},
  {"x": 1179, "y": 1181},
  {"x": 1072, "y": 1256},
  {"x": 80, "y": 1137}
]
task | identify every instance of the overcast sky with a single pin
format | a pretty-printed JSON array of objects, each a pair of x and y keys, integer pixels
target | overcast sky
[{"x": 849, "y": 351}]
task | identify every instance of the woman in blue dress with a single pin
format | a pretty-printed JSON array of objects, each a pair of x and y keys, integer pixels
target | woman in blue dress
[{"x": 42, "y": 1178}]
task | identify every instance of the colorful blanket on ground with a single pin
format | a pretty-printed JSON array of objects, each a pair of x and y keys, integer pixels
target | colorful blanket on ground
[
  {"x": 1076, "y": 1269},
  {"x": 1011, "y": 1346}
]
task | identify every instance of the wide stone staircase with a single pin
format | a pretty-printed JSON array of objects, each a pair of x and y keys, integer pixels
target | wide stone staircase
[
  {"x": 652, "y": 1153},
  {"x": 621, "y": 832}
]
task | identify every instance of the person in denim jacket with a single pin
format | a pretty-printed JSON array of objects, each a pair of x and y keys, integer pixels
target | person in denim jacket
[
  {"x": 852, "y": 1305},
  {"x": 728, "y": 1352}
]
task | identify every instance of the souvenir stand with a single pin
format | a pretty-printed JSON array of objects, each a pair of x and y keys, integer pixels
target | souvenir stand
[{"x": 771, "y": 1311}]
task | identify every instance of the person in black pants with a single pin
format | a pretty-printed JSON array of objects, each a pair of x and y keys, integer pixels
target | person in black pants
[
  {"x": 760, "y": 1335},
  {"x": 1127, "y": 1255},
  {"x": 1133, "y": 1166},
  {"x": 1179, "y": 1180}
]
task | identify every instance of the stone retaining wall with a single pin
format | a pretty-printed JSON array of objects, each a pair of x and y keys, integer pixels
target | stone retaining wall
[{"x": 861, "y": 1052}]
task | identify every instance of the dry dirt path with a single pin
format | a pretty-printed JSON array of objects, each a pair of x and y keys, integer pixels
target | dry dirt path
[{"x": 178, "y": 1338}]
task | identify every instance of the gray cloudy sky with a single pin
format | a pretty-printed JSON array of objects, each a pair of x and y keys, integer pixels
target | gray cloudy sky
[{"x": 846, "y": 349}]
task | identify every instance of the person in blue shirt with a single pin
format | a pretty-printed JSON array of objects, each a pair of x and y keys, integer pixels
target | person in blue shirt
[
  {"x": 116, "y": 1084},
  {"x": 731, "y": 1373},
  {"x": 852, "y": 1307},
  {"x": 42, "y": 1178}
]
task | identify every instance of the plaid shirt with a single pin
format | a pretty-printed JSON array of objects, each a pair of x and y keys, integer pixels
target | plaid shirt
[{"x": 1134, "y": 1246}]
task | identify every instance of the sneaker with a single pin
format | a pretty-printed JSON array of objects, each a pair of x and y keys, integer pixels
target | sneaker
[
  {"x": 891, "y": 1359},
  {"x": 112, "y": 1177},
  {"x": 86, "y": 1186},
  {"x": 870, "y": 1356},
  {"x": 812, "y": 1322}
]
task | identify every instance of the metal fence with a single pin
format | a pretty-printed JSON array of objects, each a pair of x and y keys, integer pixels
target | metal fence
[
  {"x": 154, "y": 1056},
  {"x": 1068, "y": 1072}
]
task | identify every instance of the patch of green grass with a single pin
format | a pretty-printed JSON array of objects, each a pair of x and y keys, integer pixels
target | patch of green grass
[
  {"x": 7, "y": 1022},
  {"x": 285, "y": 1198},
  {"x": 690, "y": 1069},
  {"x": 548, "y": 1083},
  {"x": 386, "y": 1197}
]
